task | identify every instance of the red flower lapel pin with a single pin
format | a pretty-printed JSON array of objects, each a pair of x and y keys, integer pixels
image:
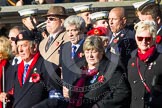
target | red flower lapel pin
[
  {"x": 35, "y": 77},
  {"x": 80, "y": 55},
  {"x": 101, "y": 79},
  {"x": 116, "y": 40},
  {"x": 133, "y": 64},
  {"x": 158, "y": 39},
  {"x": 121, "y": 35},
  {"x": 56, "y": 43}
]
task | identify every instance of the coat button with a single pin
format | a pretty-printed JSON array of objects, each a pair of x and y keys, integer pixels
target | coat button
[
  {"x": 135, "y": 98},
  {"x": 142, "y": 98},
  {"x": 135, "y": 81}
]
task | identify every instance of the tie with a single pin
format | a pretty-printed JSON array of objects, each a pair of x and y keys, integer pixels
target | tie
[
  {"x": 16, "y": 60},
  {"x": 25, "y": 72},
  {"x": 50, "y": 40},
  {"x": 73, "y": 49}
]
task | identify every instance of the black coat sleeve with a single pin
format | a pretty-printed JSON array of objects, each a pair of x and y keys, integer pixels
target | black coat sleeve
[{"x": 119, "y": 95}]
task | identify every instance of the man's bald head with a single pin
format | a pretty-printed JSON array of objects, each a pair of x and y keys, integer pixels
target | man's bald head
[{"x": 120, "y": 11}]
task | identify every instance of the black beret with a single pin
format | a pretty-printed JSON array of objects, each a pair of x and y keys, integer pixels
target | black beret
[{"x": 25, "y": 35}]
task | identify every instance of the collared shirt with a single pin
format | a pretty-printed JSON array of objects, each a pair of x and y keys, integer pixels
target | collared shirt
[
  {"x": 18, "y": 60},
  {"x": 113, "y": 36},
  {"x": 55, "y": 34},
  {"x": 29, "y": 63},
  {"x": 77, "y": 46}
]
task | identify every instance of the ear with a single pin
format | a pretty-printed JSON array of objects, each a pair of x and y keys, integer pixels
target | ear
[
  {"x": 124, "y": 20},
  {"x": 158, "y": 20},
  {"x": 23, "y": 21},
  {"x": 35, "y": 47},
  {"x": 62, "y": 21}
]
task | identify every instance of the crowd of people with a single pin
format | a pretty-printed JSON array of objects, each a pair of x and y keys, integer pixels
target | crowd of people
[
  {"x": 86, "y": 60},
  {"x": 38, "y": 2}
]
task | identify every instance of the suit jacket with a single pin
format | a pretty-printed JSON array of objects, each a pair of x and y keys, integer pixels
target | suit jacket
[
  {"x": 152, "y": 75},
  {"x": 123, "y": 46},
  {"x": 52, "y": 54},
  {"x": 71, "y": 67},
  {"x": 70, "y": 72},
  {"x": 159, "y": 45},
  {"x": 113, "y": 92},
  {"x": 31, "y": 93}
]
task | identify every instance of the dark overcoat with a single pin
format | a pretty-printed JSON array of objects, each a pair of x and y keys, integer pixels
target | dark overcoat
[
  {"x": 31, "y": 93},
  {"x": 151, "y": 72},
  {"x": 114, "y": 92},
  {"x": 122, "y": 46},
  {"x": 71, "y": 67}
]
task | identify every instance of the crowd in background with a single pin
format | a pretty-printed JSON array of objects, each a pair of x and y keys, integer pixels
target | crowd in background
[
  {"x": 86, "y": 60},
  {"x": 36, "y": 2}
]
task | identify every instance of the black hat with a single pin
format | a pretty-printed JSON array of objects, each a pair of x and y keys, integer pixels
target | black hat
[{"x": 25, "y": 35}]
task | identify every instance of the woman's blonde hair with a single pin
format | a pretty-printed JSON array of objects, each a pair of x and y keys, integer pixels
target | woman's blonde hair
[
  {"x": 146, "y": 25},
  {"x": 5, "y": 48},
  {"x": 94, "y": 43}
]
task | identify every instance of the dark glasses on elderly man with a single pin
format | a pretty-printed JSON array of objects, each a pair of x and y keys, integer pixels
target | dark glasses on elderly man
[
  {"x": 147, "y": 39},
  {"x": 12, "y": 38},
  {"x": 52, "y": 18}
]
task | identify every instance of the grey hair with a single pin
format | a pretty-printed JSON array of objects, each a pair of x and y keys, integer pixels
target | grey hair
[
  {"x": 75, "y": 20},
  {"x": 146, "y": 25}
]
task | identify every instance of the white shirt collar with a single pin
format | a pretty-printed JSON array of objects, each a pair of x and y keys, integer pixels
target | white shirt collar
[{"x": 28, "y": 62}]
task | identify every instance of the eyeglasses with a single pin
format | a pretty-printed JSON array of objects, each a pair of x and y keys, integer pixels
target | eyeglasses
[
  {"x": 147, "y": 39},
  {"x": 12, "y": 38},
  {"x": 52, "y": 18}
]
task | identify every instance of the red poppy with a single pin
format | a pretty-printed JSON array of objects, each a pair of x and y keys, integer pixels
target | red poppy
[
  {"x": 80, "y": 55},
  {"x": 121, "y": 35},
  {"x": 56, "y": 43},
  {"x": 132, "y": 64},
  {"x": 35, "y": 77},
  {"x": 115, "y": 41},
  {"x": 101, "y": 79},
  {"x": 158, "y": 39},
  {"x": 20, "y": 36}
]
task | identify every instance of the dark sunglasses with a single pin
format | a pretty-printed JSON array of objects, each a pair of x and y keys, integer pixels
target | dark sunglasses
[
  {"x": 12, "y": 38},
  {"x": 147, "y": 39},
  {"x": 52, "y": 18}
]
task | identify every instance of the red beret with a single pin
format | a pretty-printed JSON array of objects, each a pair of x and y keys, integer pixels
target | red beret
[{"x": 99, "y": 31}]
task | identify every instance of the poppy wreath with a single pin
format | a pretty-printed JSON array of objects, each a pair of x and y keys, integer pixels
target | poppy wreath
[{"x": 158, "y": 39}]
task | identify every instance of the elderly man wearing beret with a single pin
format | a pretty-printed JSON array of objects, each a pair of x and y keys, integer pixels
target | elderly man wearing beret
[{"x": 31, "y": 79}]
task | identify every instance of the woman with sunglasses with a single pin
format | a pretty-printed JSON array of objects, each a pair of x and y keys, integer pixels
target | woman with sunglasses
[{"x": 144, "y": 68}]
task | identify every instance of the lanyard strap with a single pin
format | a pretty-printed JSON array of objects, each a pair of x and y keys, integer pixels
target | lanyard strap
[{"x": 139, "y": 73}]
